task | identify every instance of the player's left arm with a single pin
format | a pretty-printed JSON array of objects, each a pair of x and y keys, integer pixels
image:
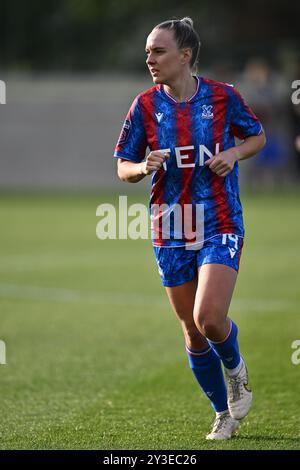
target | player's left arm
[{"x": 223, "y": 162}]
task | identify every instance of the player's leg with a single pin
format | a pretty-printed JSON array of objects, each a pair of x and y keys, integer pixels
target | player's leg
[
  {"x": 178, "y": 270},
  {"x": 182, "y": 299},
  {"x": 203, "y": 361},
  {"x": 216, "y": 284}
]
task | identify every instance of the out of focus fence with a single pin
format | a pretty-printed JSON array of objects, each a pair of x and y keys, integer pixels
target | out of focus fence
[{"x": 60, "y": 133}]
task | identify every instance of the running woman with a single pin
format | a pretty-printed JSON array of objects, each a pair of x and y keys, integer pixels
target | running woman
[{"x": 189, "y": 123}]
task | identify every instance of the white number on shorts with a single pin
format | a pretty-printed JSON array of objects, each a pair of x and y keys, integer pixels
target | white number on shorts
[{"x": 231, "y": 237}]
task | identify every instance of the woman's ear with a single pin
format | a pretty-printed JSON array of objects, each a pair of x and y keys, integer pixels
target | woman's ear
[{"x": 186, "y": 55}]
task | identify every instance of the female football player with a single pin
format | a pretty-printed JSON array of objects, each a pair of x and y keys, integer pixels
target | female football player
[{"x": 189, "y": 123}]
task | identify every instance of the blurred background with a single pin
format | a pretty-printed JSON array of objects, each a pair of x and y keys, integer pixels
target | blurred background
[{"x": 73, "y": 67}]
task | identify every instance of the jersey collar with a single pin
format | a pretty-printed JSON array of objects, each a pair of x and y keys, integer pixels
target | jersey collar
[{"x": 174, "y": 101}]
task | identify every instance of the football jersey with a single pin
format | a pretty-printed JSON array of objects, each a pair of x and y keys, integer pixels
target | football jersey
[{"x": 186, "y": 196}]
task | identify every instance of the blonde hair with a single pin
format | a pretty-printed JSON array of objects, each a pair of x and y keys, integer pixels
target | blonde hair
[
  {"x": 188, "y": 20},
  {"x": 185, "y": 35}
]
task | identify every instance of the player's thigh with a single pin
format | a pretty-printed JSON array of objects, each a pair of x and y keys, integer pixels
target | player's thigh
[
  {"x": 179, "y": 271},
  {"x": 218, "y": 264},
  {"x": 215, "y": 287},
  {"x": 182, "y": 300}
]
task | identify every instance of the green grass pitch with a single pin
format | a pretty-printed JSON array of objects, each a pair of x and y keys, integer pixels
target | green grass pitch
[{"x": 95, "y": 356}]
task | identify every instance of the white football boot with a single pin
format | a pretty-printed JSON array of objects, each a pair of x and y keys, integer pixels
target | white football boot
[
  {"x": 224, "y": 427},
  {"x": 239, "y": 393}
]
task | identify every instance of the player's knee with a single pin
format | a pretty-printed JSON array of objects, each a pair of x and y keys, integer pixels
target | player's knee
[
  {"x": 193, "y": 338},
  {"x": 210, "y": 329},
  {"x": 208, "y": 320}
]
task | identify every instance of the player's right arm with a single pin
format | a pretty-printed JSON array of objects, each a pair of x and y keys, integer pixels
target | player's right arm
[
  {"x": 132, "y": 172},
  {"x": 131, "y": 148}
]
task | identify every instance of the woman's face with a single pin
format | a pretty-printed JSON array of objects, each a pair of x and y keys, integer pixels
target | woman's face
[{"x": 164, "y": 60}]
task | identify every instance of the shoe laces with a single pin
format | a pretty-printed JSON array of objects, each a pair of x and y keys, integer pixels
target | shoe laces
[
  {"x": 220, "y": 422},
  {"x": 236, "y": 386}
]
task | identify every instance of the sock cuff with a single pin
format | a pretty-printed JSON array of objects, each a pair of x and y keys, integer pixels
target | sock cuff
[{"x": 192, "y": 352}]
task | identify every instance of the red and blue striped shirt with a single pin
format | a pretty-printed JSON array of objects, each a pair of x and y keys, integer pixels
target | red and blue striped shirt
[{"x": 192, "y": 131}]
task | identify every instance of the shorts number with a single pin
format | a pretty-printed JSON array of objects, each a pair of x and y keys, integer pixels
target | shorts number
[{"x": 231, "y": 237}]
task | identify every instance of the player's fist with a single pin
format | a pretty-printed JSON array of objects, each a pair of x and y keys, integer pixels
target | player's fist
[
  {"x": 154, "y": 161},
  {"x": 223, "y": 162}
]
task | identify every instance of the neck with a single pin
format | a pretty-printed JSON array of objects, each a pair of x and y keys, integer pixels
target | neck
[{"x": 182, "y": 88}]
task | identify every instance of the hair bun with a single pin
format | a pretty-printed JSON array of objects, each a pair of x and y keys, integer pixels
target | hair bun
[{"x": 187, "y": 20}]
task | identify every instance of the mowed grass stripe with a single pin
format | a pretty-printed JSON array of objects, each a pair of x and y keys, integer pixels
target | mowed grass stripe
[
  {"x": 15, "y": 291},
  {"x": 95, "y": 357}
]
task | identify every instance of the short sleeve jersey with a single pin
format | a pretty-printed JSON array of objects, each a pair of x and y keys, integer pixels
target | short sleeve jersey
[{"x": 192, "y": 131}]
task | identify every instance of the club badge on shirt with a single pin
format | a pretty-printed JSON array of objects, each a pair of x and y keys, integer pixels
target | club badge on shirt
[{"x": 207, "y": 112}]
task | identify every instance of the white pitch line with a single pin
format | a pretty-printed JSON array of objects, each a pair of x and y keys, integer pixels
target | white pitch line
[
  {"x": 33, "y": 262},
  {"x": 29, "y": 292},
  {"x": 16, "y": 291}
]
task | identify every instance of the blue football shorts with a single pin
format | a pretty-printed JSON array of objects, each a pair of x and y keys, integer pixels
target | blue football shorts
[{"x": 179, "y": 265}]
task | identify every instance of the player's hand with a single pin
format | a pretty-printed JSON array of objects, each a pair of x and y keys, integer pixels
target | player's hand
[
  {"x": 223, "y": 162},
  {"x": 154, "y": 161}
]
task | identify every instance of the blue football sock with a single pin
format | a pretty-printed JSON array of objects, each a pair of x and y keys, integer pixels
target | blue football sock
[
  {"x": 228, "y": 350},
  {"x": 206, "y": 366}
]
